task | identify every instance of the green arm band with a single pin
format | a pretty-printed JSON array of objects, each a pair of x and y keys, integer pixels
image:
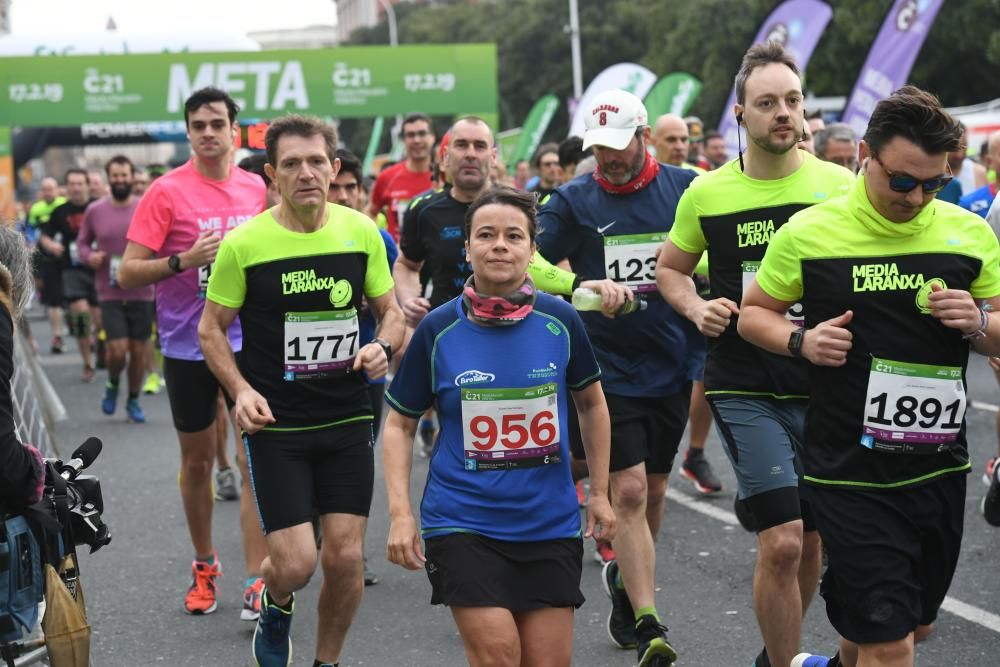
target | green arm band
[{"x": 550, "y": 278}]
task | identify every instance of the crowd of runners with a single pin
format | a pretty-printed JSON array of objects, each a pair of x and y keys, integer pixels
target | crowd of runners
[{"x": 815, "y": 296}]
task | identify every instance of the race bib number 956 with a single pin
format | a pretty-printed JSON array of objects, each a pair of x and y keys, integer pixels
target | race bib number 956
[{"x": 510, "y": 428}]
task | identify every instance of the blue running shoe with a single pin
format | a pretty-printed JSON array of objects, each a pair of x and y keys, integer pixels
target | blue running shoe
[
  {"x": 110, "y": 401},
  {"x": 134, "y": 410},
  {"x": 272, "y": 641},
  {"x": 810, "y": 660}
]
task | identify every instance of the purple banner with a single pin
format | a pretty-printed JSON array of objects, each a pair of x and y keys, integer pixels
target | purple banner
[
  {"x": 890, "y": 58},
  {"x": 797, "y": 25}
]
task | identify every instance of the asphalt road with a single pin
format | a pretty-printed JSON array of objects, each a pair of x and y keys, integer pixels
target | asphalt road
[{"x": 135, "y": 586}]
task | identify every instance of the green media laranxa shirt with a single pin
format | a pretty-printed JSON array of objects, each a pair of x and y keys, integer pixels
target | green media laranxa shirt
[{"x": 894, "y": 415}]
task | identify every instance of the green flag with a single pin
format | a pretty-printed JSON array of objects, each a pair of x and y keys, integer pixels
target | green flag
[
  {"x": 372, "y": 145},
  {"x": 674, "y": 93},
  {"x": 507, "y": 143},
  {"x": 534, "y": 127}
]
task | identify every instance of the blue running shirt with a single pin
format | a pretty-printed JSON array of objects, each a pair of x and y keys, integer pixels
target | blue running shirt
[{"x": 501, "y": 463}]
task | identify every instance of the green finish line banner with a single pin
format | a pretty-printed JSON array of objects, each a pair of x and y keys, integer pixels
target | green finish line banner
[{"x": 350, "y": 82}]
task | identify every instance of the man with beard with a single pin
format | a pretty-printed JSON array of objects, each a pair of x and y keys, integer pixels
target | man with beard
[
  {"x": 758, "y": 399},
  {"x": 609, "y": 226},
  {"x": 59, "y": 240},
  {"x": 397, "y": 185},
  {"x": 127, "y": 314}
]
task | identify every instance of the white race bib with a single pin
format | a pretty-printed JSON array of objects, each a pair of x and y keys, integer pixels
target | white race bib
[
  {"x": 74, "y": 253},
  {"x": 631, "y": 259},
  {"x": 113, "y": 265},
  {"x": 320, "y": 344},
  {"x": 510, "y": 428},
  {"x": 912, "y": 408},
  {"x": 795, "y": 313}
]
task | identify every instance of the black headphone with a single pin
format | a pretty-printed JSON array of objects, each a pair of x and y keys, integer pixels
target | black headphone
[
  {"x": 739, "y": 118},
  {"x": 739, "y": 138}
]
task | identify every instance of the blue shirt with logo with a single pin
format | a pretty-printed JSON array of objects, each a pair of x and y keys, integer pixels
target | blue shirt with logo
[
  {"x": 652, "y": 353},
  {"x": 500, "y": 467},
  {"x": 978, "y": 201}
]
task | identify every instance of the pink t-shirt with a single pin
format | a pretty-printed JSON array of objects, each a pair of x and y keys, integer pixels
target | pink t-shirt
[
  {"x": 106, "y": 224},
  {"x": 176, "y": 209}
]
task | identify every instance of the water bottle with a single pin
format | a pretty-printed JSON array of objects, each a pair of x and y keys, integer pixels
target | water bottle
[{"x": 587, "y": 299}]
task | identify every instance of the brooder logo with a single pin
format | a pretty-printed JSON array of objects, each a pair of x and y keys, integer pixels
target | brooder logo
[{"x": 473, "y": 377}]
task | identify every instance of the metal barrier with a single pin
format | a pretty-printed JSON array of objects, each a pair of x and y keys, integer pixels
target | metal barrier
[{"x": 37, "y": 406}]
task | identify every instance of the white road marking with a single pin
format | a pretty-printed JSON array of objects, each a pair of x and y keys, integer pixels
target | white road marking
[{"x": 950, "y": 604}]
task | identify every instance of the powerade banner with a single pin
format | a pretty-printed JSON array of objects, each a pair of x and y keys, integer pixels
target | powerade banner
[
  {"x": 534, "y": 127},
  {"x": 890, "y": 58},
  {"x": 636, "y": 79},
  {"x": 674, "y": 93},
  {"x": 354, "y": 82},
  {"x": 797, "y": 25}
]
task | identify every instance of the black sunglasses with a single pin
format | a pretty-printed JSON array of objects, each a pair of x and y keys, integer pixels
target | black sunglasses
[{"x": 905, "y": 183}]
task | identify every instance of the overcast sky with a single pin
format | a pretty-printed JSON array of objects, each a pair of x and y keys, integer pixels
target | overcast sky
[{"x": 76, "y": 16}]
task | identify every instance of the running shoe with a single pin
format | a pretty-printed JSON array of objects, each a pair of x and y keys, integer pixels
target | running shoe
[
  {"x": 200, "y": 598},
  {"x": 370, "y": 577},
  {"x": 810, "y": 660},
  {"x": 581, "y": 497},
  {"x": 110, "y": 402},
  {"x": 654, "y": 649},
  {"x": 604, "y": 553},
  {"x": 272, "y": 641},
  {"x": 153, "y": 384},
  {"x": 226, "y": 485},
  {"x": 621, "y": 619},
  {"x": 698, "y": 471},
  {"x": 991, "y": 501},
  {"x": 744, "y": 515},
  {"x": 988, "y": 473},
  {"x": 134, "y": 411},
  {"x": 57, "y": 345},
  {"x": 251, "y": 600}
]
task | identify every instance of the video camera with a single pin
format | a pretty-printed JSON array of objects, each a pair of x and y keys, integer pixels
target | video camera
[
  {"x": 68, "y": 515},
  {"x": 78, "y": 497}
]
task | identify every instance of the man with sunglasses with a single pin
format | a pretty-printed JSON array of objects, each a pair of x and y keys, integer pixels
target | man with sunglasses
[
  {"x": 759, "y": 400},
  {"x": 397, "y": 185},
  {"x": 896, "y": 286}
]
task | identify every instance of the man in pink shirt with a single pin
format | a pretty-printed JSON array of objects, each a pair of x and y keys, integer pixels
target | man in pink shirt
[
  {"x": 398, "y": 184},
  {"x": 127, "y": 314},
  {"x": 172, "y": 242}
]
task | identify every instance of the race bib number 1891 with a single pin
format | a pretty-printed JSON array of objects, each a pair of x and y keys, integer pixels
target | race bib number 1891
[
  {"x": 510, "y": 428},
  {"x": 912, "y": 408}
]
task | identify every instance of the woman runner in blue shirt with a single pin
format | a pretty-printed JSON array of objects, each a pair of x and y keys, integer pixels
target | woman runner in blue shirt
[{"x": 499, "y": 517}]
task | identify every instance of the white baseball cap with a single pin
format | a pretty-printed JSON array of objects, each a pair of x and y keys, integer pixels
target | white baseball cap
[{"x": 612, "y": 118}]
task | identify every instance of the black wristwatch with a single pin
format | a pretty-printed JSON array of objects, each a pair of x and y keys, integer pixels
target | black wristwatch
[
  {"x": 174, "y": 262},
  {"x": 385, "y": 347},
  {"x": 795, "y": 341}
]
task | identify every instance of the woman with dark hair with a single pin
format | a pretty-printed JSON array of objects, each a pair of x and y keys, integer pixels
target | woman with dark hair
[
  {"x": 499, "y": 515},
  {"x": 22, "y": 473}
]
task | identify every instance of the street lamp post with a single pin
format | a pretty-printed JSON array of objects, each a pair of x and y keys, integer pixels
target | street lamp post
[{"x": 574, "y": 40}]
